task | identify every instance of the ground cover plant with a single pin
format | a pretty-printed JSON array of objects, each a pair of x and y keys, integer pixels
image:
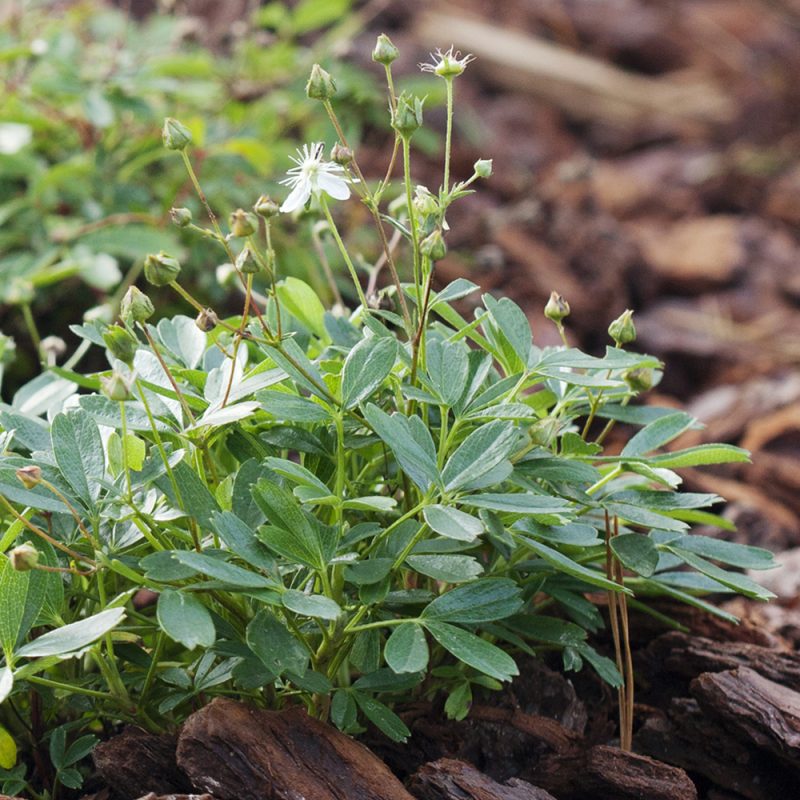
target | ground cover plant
[{"x": 342, "y": 508}]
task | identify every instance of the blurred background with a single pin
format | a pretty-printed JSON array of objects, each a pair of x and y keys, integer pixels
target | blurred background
[{"x": 645, "y": 156}]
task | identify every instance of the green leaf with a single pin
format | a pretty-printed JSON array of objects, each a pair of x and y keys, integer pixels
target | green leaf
[
  {"x": 8, "y": 749},
  {"x": 406, "y": 649},
  {"x": 570, "y": 567},
  {"x": 274, "y": 645},
  {"x": 22, "y": 597},
  {"x": 293, "y": 535},
  {"x": 74, "y": 636},
  {"x": 6, "y": 683},
  {"x": 78, "y": 450},
  {"x": 480, "y": 453},
  {"x": 366, "y": 367},
  {"x": 195, "y": 498},
  {"x": 452, "y": 523},
  {"x": 447, "y": 364},
  {"x": 472, "y": 650},
  {"x": 449, "y": 568},
  {"x": 415, "y": 459},
  {"x": 481, "y": 601},
  {"x": 185, "y": 619},
  {"x": 738, "y": 583},
  {"x": 221, "y": 570},
  {"x": 240, "y": 538},
  {"x": 519, "y": 503},
  {"x": 658, "y": 433},
  {"x": 291, "y": 407},
  {"x": 513, "y": 323},
  {"x": 135, "y": 449},
  {"x": 701, "y": 455},
  {"x": 737, "y": 555},
  {"x": 636, "y": 552},
  {"x": 382, "y": 717},
  {"x": 364, "y": 573},
  {"x": 302, "y": 303},
  {"x": 548, "y": 629},
  {"x": 644, "y": 517},
  {"x": 298, "y": 474},
  {"x": 311, "y": 605},
  {"x": 295, "y": 363}
]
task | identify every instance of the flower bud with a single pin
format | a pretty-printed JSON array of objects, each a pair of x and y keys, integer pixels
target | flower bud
[
  {"x": 24, "y": 557},
  {"x": 246, "y": 263},
  {"x": 433, "y": 246},
  {"x": 116, "y": 387},
  {"x": 483, "y": 167},
  {"x": 622, "y": 330},
  {"x": 544, "y": 432},
  {"x": 51, "y": 347},
  {"x": 161, "y": 269},
  {"x": 320, "y": 84},
  {"x": 175, "y": 135},
  {"x": 407, "y": 116},
  {"x": 135, "y": 306},
  {"x": 29, "y": 476},
  {"x": 120, "y": 343},
  {"x": 242, "y": 223},
  {"x": 181, "y": 217},
  {"x": 641, "y": 379},
  {"x": 341, "y": 155},
  {"x": 266, "y": 207},
  {"x": 425, "y": 204},
  {"x": 206, "y": 320},
  {"x": 557, "y": 308},
  {"x": 385, "y": 52}
]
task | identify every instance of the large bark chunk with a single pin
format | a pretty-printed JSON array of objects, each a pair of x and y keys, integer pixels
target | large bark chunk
[
  {"x": 612, "y": 774},
  {"x": 136, "y": 763},
  {"x": 241, "y": 753},
  {"x": 448, "y": 779},
  {"x": 758, "y": 710}
]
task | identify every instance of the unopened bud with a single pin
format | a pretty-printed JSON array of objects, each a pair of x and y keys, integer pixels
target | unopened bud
[
  {"x": 483, "y": 167},
  {"x": 175, "y": 135},
  {"x": 120, "y": 344},
  {"x": 385, "y": 52},
  {"x": 622, "y": 329},
  {"x": 29, "y": 476},
  {"x": 245, "y": 262},
  {"x": 24, "y": 557},
  {"x": 161, "y": 269},
  {"x": 266, "y": 207},
  {"x": 320, "y": 84},
  {"x": 341, "y": 154},
  {"x": 181, "y": 217},
  {"x": 424, "y": 202},
  {"x": 544, "y": 432},
  {"x": 433, "y": 246},
  {"x": 641, "y": 379},
  {"x": 557, "y": 308},
  {"x": 242, "y": 223},
  {"x": 135, "y": 306},
  {"x": 116, "y": 387},
  {"x": 206, "y": 320},
  {"x": 407, "y": 116}
]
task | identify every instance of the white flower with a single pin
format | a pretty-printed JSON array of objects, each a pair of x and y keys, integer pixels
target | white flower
[
  {"x": 312, "y": 175},
  {"x": 13, "y": 137},
  {"x": 448, "y": 64}
]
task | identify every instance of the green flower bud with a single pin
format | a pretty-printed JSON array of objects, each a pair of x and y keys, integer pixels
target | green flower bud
[
  {"x": 135, "y": 306},
  {"x": 641, "y": 379},
  {"x": 557, "y": 308},
  {"x": 29, "y": 476},
  {"x": 433, "y": 246},
  {"x": 242, "y": 223},
  {"x": 181, "y": 217},
  {"x": 425, "y": 204},
  {"x": 206, "y": 320},
  {"x": 407, "y": 116},
  {"x": 447, "y": 65},
  {"x": 341, "y": 155},
  {"x": 24, "y": 557},
  {"x": 622, "y": 330},
  {"x": 246, "y": 263},
  {"x": 266, "y": 207},
  {"x": 161, "y": 269},
  {"x": 544, "y": 432},
  {"x": 116, "y": 387},
  {"x": 121, "y": 344},
  {"x": 175, "y": 135},
  {"x": 385, "y": 52},
  {"x": 483, "y": 167},
  {"x": 320, "y": 84}
]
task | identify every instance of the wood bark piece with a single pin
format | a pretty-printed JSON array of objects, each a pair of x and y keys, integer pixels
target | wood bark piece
[
  {"x": 153, "y": 796},
  {"x": 689, "y": 656},
  {"x": 241, "y": 753},
  {"x": 695, "y": 741},
  {"x": 756, "y": 709},
  {"x": 448, "y": 779},
  {"x": 612, "y": 774},
  {"x": 136, "y": 763}
]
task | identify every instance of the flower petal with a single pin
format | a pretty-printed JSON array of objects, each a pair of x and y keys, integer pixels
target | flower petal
[
  {"x": 297, "y": 198},
  {"x": 336, "y": 187}
]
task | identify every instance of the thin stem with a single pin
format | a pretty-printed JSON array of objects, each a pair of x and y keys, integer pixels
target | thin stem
[
  {"x": 343, "y": 250},
  {"x": 448, "y": 137},
  {"x": 125, "y": 465},
  {"x": 33, "y": 331},
  {"x": 412, "y": 220},
  {"x": 157, "y": 354}
]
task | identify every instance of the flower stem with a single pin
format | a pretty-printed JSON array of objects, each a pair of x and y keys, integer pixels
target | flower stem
[{"x": 343, "y": 250}]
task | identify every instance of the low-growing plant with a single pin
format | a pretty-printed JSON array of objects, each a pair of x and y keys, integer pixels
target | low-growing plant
[{"x": 343, "y": 508}]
